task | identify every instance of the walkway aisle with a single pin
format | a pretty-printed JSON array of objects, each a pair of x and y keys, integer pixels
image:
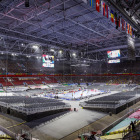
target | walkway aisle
[
  {"x": 72, "y": 122},
  {"x": 100, "y": 124}
]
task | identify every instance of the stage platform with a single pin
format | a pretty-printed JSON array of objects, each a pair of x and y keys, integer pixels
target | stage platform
[
  {"x": 114, "y": 103},
  {"x": 77, "y": 95},
  {"x": 30, "y": 109}
]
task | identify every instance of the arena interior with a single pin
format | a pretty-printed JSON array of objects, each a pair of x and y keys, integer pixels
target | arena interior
[{"x": 69, "y": 69}]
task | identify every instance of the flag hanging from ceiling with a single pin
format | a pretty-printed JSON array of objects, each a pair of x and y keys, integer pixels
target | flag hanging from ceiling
[
  {"x": 128, "y": 28},
  {"x": 92, "y": 3},
  {"x": 133, "y": 32},
  {"x": 115, "y": 16},
  {"x": 98, "y": 5},
  {"x": 112, "y": 16},
  {"x": 125, "y": 26},
  {"x": 107, "y": 11},
  {"x": 103, "y": 8},
  {"x": 123, "y": 22},
  {"x": 119, "y": 20}
]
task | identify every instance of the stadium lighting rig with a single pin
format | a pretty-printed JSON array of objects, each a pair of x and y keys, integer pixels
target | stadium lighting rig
[
  {"x": 60, "y": 51},
  {"x": 38, "y": 57},
  {"x": 13, "y": 54},
  {"x": 35, "y": 46},
  {"x": 52, "y": 50}
]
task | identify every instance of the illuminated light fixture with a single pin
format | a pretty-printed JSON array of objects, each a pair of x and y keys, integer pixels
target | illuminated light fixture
[
  {"x": 22, "y": 44},
  {"x": 84, "y": 60},
  {"x": 74, "y": 54},
  {"x": 35, "y": 46},
  {"x": 37, "y": 57},
  {"x": 52, "y": 50},
  {"x": 1, "y": 52},
  {"x": 12, "y": 54},
  {"x": 60, "y": 51}
]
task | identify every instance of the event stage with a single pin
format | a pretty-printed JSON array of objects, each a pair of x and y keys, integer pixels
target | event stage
[{"x": 76, "y": 95}]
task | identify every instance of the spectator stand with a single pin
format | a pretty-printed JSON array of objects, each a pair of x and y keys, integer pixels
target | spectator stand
[{"x": 27, "y": 108}]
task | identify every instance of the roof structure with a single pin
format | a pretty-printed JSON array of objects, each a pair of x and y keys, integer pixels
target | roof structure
[{"x": 69, "y": 25}]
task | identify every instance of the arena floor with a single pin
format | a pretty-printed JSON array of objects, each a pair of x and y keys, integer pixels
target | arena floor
[
  {"x": 69, "y": 123},
  {"x": 61, "y": 125}
]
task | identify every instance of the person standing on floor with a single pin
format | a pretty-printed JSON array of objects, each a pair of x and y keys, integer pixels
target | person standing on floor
[{"x": 133, "y": 126}]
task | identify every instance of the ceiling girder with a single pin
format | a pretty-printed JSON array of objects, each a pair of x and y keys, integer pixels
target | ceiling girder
[{"x": 111, "y": 48}]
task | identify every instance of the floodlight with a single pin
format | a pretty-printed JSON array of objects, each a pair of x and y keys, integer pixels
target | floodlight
[
  {"x": 52, "y": 50},
  {"x": 60, "y": 51},
  {"x": 35, "y": 46},
  {"x": 74, "y": 54}
]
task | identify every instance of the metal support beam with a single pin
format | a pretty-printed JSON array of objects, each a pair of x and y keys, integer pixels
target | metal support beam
[
  {"x": 135, "y": 9},
  {"x": 84, "y": 26},
  {"x": 25, "y": 48},
  {"x": 111, "y": 48},
  {"x": 124, "y": 14},
  {"x": 38, "y": 11},
  {"x": 11, "y": 7},
  {"x": 25, "y": 37},
  {"x": 22, "y": 21},
  {"x": 13, "y": 45}
]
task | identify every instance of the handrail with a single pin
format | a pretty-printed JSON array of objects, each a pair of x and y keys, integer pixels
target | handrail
[
  {"x": 41, "y": 109},
  {"x": 128, "y": 129},
  {"x": 116, "y": 122},
  {"x": 128, "y": 138},
  {"x": 83, "y": 104}
]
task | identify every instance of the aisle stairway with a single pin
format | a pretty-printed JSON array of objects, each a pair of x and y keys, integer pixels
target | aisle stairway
[{"x": 74, "y": 120}]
